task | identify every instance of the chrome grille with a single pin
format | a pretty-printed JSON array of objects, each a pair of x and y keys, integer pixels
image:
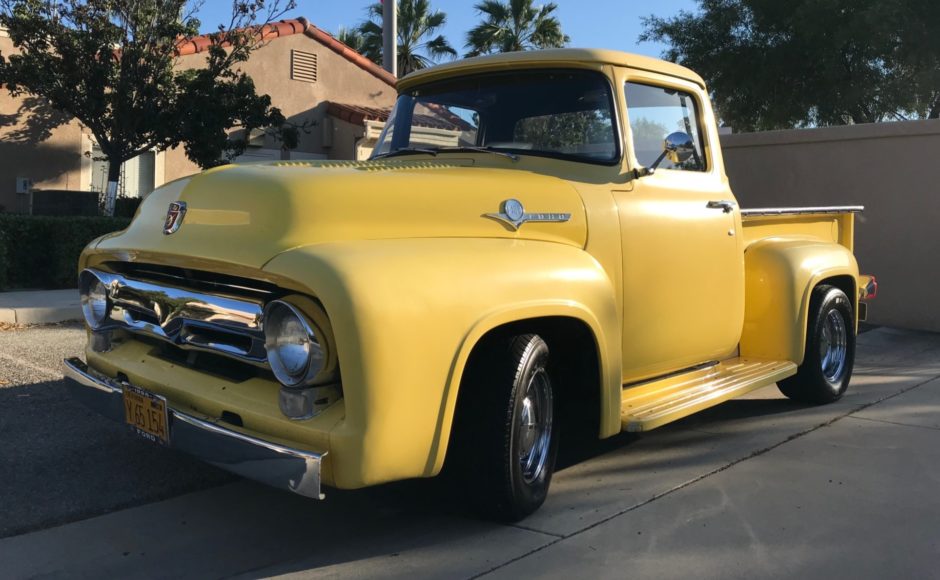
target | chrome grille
[
  {"x": 226, "y": 325},
  {"x": 204, "y": 282}
]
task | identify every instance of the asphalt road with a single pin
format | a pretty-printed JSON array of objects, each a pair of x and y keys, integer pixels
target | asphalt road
[
  {"x": 60, "y": 462},
  {"x": 756, "y": 486}
]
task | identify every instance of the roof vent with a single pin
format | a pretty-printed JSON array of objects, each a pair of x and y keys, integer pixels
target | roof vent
[{"x": 303, "y": 66}]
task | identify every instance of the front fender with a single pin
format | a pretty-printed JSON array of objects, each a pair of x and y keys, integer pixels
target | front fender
[
  {"x": 407, "y": 313},
  {"x": 780, "y": 274}
]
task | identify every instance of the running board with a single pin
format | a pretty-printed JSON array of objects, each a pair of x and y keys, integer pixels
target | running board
[{"x": 655, "y": 403}]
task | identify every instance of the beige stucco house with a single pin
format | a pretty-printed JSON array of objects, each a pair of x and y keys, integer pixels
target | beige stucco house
[{"x": 302, "y": 68}]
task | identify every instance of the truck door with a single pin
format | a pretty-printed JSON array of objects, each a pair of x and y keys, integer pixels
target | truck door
[{"x": 683, "y": 261}]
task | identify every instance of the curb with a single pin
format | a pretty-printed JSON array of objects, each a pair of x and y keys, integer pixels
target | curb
[{"x": 49, "y": 315}]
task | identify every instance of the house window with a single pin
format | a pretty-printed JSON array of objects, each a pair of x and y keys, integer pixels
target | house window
[{"x": 303, "y": 66}]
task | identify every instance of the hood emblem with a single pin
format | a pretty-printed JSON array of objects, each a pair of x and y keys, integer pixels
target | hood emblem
[
  {"x": 513, "y": 214},
  {"x": 174, "y": 217}
]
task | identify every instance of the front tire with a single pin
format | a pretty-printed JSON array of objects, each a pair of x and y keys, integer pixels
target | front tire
[
  {"x": 830, "y": 350},
  {"x": 506, "y": 433}
]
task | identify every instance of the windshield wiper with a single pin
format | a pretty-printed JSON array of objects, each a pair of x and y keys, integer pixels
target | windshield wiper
[
  {"x": 512, "y": 156},
  {"x": 406, "y": 151}
]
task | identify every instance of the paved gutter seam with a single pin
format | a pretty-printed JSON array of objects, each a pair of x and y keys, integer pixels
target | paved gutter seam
[{"x": 715, "y": 471}]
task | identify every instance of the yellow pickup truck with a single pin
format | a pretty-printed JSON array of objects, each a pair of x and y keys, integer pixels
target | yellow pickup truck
[{"x": 542, "y": 244}]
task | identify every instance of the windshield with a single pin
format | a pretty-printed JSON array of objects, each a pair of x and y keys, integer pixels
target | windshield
[{"x": 562, "y": 114}]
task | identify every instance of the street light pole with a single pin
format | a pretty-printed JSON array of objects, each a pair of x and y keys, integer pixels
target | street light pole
[{"x": 390, "y": 36}]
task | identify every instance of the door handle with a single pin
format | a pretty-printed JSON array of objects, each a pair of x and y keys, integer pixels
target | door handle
[{"x": 724, "y": 205}]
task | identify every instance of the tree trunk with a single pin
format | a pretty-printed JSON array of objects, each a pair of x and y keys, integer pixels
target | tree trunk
[
  {"x": 934, "y": 112},
  {"x": 110, "y": 195}
]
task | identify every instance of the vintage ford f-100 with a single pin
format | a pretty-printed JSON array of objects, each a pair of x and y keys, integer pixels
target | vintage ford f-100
[{"x": 543, "y": 244}]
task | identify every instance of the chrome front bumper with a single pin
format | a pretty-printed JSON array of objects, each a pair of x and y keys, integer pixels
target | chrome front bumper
[{"x": 270, "y": 463}]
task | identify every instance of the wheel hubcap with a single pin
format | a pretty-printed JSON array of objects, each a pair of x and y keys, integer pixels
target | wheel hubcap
[
  {"x": 832, "y": 347},
  {"x": 535, "y": 426}
]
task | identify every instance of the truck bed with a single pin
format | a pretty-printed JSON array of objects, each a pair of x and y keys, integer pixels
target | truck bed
[{"x": 833, "y": 223}]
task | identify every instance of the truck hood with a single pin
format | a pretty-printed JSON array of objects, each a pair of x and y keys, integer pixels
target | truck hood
[{"x": 248, "y": 214}]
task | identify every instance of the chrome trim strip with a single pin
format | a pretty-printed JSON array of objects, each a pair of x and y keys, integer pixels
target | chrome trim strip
[
  {"x": 189, "y": 319},
  {"x": 270, "y": 463},
  {"x": 802, "y": 210}
]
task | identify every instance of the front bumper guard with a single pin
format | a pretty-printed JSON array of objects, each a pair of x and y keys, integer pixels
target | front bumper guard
[{"x": 270, "y": 463}]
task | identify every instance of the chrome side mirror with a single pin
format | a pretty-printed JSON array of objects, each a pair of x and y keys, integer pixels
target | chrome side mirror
[{"x": 678, "y": 147}]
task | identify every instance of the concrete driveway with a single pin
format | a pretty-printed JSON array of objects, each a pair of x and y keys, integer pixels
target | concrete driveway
[{"x": 755, "y": 487}]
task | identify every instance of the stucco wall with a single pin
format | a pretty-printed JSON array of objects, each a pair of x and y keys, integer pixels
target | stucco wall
[
  {"x": 891, "y": 169},
  {"x": 337, "y": 80},
  {"x": 35, "y": 142}
]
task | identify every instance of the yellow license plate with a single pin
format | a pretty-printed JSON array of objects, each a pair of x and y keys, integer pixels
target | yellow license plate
[{"x": 146, "y": 413}]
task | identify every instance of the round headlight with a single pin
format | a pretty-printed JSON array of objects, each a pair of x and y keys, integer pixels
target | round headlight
[
  {"x": 294, "y": 350},
  {"x": 94, "y": 296}
]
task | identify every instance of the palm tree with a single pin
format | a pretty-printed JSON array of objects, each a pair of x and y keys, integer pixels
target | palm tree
[
  {"x": 351, "y": 37},
  {"x": 515, "y": 25},
  {"x": 416, "y": 22}
]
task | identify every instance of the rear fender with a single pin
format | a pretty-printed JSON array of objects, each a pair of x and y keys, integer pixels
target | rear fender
[{"x": 780, "y": 274}]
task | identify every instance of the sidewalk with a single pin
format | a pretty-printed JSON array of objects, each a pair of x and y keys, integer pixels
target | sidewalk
[{"x": 40, "y": 306}]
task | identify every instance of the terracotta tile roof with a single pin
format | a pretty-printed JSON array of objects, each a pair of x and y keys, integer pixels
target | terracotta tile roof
[
  {"x": 449, "y": 116},
  {"x": 358, "y": 115},
  {"x": 296, "y": 26}
]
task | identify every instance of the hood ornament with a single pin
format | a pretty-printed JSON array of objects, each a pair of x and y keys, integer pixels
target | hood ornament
[
  {"x": 513, "y": 214},
  {"x": 174, "y": 217}
]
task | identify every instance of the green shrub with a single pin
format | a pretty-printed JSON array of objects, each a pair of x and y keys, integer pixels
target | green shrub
[
  {"x": 42, "y": 252},
  {"x": 125, "y": 206}
]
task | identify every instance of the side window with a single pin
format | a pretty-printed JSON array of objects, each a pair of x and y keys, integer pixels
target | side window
[{"x": 654, "y": 113}]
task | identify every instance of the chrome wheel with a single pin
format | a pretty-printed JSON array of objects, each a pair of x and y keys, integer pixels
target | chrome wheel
[
  {"x": 833, "y": 346},
  {"x": 504, "y": 439},
  {"x": 535, "y": 426}
]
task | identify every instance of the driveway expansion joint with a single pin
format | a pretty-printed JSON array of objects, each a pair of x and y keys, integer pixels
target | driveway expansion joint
[{"x": 533, "y": 530}]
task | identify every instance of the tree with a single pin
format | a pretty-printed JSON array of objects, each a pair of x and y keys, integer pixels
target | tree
[
  {"x": 351, "y": 37},
  {"x": 513, "y": 26},
  {"x": 416, "y": 22},
  {"x": 917, "y": 55},
  {"x": 776, "y": 65},
  {"x": 112, "y": 64}
]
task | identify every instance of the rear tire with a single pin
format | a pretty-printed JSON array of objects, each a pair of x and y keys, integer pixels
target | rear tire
[
  {"x": 830, "y": 350},
  {"x": 506, "y": 432}
]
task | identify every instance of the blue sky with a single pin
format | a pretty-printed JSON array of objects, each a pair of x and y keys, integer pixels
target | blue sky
[{"x": 590, "y": 23}]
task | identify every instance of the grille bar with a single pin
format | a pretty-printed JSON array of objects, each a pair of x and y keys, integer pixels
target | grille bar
[
  {"x": 199, "y": 281},
  {"x": 225, "y": 325}
]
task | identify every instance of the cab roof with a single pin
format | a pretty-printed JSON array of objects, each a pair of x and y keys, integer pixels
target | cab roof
[{"x": 560, "y": 56}]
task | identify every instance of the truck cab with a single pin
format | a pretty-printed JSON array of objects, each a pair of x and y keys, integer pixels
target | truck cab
[{"x": 539, "y": 239}]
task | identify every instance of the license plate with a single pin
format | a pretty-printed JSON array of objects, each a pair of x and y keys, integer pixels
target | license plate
[{"x": 146, "y": 414}]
